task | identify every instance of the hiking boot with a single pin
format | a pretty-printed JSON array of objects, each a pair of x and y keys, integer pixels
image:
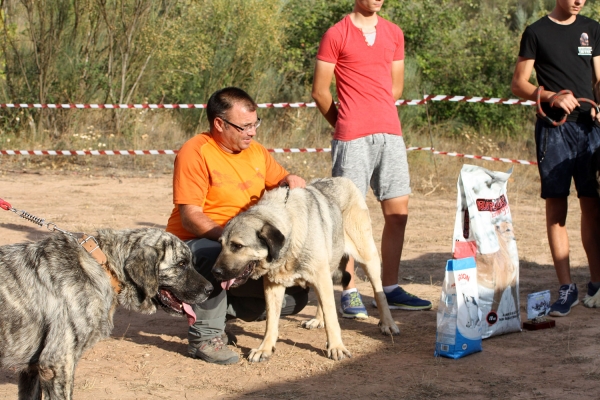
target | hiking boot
[
  {"x": 399, "y": 299},
  {"x": 352, "y": 306},
  {"x": 211, "y": 350},
  {"x": 567, "y": 298}
]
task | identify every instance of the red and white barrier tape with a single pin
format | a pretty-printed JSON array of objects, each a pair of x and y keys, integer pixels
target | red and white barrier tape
[
  {"x": 130, "y": 152},
  {"x": 487, "y": 158},
  {"x": 85, "y": 152},
  {"x": 291, "y": 150},
  {"x": 439, "y": 97}
]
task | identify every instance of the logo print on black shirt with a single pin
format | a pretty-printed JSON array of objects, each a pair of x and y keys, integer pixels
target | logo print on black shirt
[{"x": 585, "y": 49}]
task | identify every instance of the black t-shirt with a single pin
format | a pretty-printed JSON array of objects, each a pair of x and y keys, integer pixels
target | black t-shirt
[{"x": 563, "y": 58}]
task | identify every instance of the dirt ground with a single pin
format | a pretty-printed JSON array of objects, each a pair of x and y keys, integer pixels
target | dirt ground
[{"x": 145, "y": 356}]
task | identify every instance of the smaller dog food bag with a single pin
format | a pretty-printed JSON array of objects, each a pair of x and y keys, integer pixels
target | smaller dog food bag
[
  {"x": 459, "y": 319},
  {"x": 483, "y": 229}
]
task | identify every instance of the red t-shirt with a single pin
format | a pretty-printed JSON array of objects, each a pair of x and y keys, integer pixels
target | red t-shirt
[{"x": 363, "y": 77}]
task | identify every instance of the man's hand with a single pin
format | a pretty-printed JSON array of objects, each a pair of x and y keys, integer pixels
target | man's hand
[
  {"x": 293, "y": 181},
  {"x": 566, "y": 101}
]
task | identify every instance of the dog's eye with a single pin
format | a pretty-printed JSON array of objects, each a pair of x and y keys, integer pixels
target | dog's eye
[{"x": 236, "y": 246}]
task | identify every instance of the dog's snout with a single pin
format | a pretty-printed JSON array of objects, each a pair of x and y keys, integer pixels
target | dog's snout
[
  {"x": 208, "y": 288},
  {"x": 217, "y": 272}
]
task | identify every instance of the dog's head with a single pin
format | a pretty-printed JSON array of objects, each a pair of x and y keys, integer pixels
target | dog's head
[
  {"x": 250, "y": 245},
  {"x": 158, "y": 271}
]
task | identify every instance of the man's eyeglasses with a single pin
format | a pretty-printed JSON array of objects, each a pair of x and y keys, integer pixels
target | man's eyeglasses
[{"x": 246, "y": 128}]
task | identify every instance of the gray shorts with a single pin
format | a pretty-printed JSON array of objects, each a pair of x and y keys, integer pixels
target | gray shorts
[{"x": 377, "y": 160}]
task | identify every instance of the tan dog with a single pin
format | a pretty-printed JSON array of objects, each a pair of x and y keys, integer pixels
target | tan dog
[
  {"x": 299, "y": 237},
  {"x": 496, "y": 271}
]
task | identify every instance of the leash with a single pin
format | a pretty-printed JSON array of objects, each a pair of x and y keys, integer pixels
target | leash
[
  {"x": 287, "y": 193},
  {"x": 89, "y": 243},
  {"x": 546, "y": 118}
]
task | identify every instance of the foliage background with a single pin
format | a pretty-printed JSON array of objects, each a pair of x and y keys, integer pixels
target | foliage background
[{"x": 180, "y": 51}]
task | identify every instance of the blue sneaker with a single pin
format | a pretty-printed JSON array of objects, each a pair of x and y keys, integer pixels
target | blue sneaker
[
  {"x": 399, "y": 299},
  {"x": 567, "y": 298},
  {"x": 352, "y": 306}
]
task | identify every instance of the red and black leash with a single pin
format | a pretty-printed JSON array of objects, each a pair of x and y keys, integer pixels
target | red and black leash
[{"x": 546, "y": 118}]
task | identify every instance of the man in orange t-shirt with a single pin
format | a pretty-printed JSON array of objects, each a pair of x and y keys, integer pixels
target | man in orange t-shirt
[{"x": 217, "y": 175}]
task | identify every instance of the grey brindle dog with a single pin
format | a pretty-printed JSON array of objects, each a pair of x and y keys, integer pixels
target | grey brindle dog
[{"x": 58, "y": 301}]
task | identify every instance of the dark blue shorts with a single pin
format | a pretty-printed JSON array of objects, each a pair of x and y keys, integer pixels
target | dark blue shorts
[{"x": 564, "y": 152}]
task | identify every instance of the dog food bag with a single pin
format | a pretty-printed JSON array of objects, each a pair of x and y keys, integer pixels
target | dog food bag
[
  {"x": 459, "y": 319},
  {"x": 483, "y": 229}
]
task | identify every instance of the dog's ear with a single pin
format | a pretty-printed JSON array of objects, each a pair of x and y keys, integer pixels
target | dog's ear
[
  {"x": 274, "y": 240},
  {"x": 141, "y": 267}
]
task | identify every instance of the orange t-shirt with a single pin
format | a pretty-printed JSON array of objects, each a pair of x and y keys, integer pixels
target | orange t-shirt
[{"x": 223, "y": 184}]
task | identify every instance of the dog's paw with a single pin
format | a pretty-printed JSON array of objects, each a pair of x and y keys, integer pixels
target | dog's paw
[
  {"x": 313, "y": 324},
  {"x": 338, "y": 353},
  {"x": 592, "y": 301},
  {"x": 257, "y": 355},
  {"x": 389, "y": 330}
]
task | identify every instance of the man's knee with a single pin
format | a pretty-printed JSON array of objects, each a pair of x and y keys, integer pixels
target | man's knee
[{"x": 205, "y": 253}]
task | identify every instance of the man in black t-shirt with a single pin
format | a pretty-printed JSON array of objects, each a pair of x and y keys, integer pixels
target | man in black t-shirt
[{"x": 564, "y": 49}]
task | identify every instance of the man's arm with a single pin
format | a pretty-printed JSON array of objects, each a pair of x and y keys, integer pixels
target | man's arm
[
  {"x": 521, "y": 87},
  {"x": 321, "y": 93},
  {"x": 397, "y": 78},
  {"x": 196, "y": 222}
]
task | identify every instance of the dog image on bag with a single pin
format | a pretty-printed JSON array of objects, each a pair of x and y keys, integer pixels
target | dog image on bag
[
  {"x": 473, "y": 311},
  {"x": 496, "y": 272},
  {"x": 300, "y": 237},
  {"x": 58, "y": 300}
]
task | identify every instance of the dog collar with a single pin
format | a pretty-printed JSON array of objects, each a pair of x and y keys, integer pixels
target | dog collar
[{"x": 90, "y": 245}]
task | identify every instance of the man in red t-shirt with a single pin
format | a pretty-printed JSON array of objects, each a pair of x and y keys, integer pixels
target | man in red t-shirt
[{"x": 366, "y": 54}]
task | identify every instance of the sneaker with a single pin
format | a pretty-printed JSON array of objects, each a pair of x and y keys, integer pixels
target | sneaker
[
  {"x": 352, "y": 306},
  {"x": 399, "y": 299},
  {"x": 567, "y": 298},
  {"x": 212, "y": 351}
]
